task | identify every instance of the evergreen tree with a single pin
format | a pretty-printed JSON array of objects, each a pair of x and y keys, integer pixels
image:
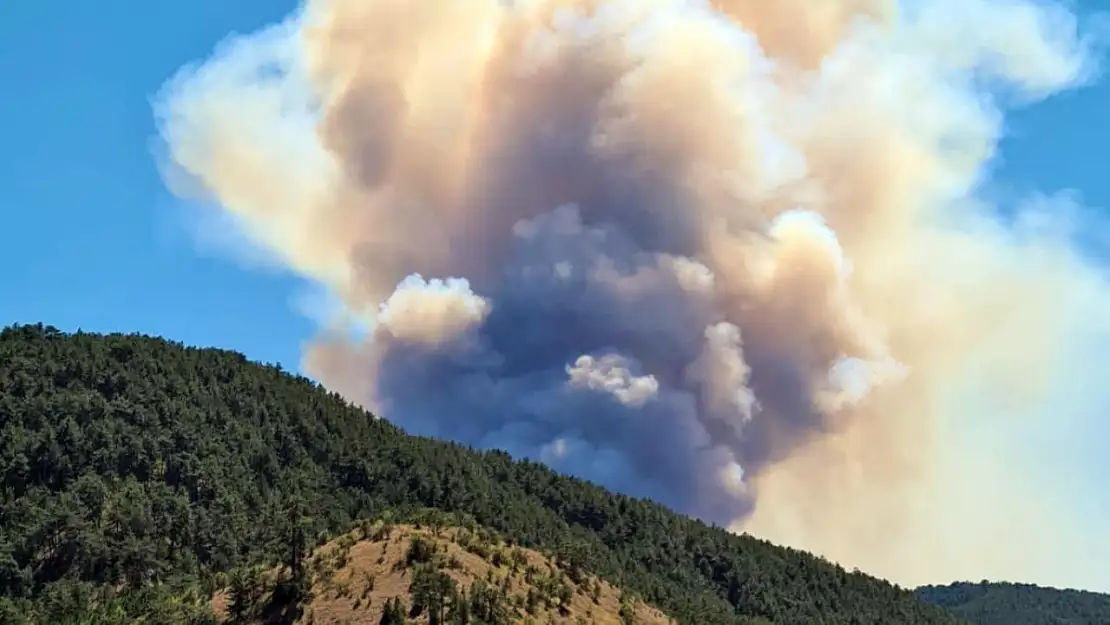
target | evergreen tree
[
  {"x": 243, "y": 595},
  {"x": 394, "y": 612},
  {"x": 431, "y": 590}
]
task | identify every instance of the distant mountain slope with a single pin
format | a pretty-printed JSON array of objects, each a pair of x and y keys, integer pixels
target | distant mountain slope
[
  {"x": 141, "y": 464},
  {"x": 1020, "y": 604}
]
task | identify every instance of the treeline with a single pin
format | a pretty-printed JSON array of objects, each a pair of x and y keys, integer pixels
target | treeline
[
  {"x": 136, "y": 463},
  {"x": 997, "y": 603}
]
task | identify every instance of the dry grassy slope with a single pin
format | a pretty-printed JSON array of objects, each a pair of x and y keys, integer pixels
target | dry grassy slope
[{"x": 354, "y": 576}]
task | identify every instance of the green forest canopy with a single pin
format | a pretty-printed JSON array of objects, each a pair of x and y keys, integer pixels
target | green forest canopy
[
  {"x": 142, "y": 463},
  {"x": 1020, "y": 604}
]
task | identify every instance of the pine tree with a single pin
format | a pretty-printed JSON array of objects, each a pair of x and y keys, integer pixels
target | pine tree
[
  {"x": 394, "y": 613},
  {"x": 431, "y": 589},
  {"x": 627, "y": 612},
  {"x": 244, "y": 595}
]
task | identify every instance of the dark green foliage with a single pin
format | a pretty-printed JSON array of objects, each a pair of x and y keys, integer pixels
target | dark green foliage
[
  {"x": 394, "y": 612},
  {"x": 78, "y": 603},
  {"x": 433, "y": 591},
  {"x": 244, "y": 595},
  {"x": 627, "y": 612},
  {"x": 1020, "y": 604},
  {"x": 487, "y": 604},
  {"x": 420, "y": 551},
  {"x": 130, "y": 462}
]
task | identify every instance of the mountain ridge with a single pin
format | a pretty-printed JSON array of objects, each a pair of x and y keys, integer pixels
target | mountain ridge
[
  {"x": 137, "y": 462},
  {"x": 1014, "y": 603}
]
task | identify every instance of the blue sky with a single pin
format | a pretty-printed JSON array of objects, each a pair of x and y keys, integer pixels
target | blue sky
[{"x": 92, "y": 239}]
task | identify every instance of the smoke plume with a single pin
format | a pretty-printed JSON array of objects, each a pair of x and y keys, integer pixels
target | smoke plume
[{"x": 732, "y": 255}]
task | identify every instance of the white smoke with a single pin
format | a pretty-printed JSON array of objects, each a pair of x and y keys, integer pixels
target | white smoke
[{"x": 730, "y": 255}]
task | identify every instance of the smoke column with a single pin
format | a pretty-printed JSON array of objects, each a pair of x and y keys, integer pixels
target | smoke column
[{"x": 734, "y": 256}]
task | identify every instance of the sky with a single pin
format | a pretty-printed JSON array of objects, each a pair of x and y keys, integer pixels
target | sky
[{"x": 93, "y": 239}]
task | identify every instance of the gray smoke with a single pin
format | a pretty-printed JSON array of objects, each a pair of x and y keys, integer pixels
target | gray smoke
[{"x": 726, "y": 255}]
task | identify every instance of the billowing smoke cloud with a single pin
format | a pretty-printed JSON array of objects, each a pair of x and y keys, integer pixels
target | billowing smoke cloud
[{"x": 729, "y": 255}]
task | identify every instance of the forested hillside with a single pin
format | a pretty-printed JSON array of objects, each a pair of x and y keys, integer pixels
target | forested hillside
[
  {"x": 141, "y": 464},
  {"x": 1020, "y": 604}
]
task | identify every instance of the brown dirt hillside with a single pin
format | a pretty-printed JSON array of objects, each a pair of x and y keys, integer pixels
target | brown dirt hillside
[{"x": 354, "y": 576}]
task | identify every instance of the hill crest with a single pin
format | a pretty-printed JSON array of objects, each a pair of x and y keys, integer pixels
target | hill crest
[
  {"x": 136, "y": 471},
  {"x": 355, "y": 577}
]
